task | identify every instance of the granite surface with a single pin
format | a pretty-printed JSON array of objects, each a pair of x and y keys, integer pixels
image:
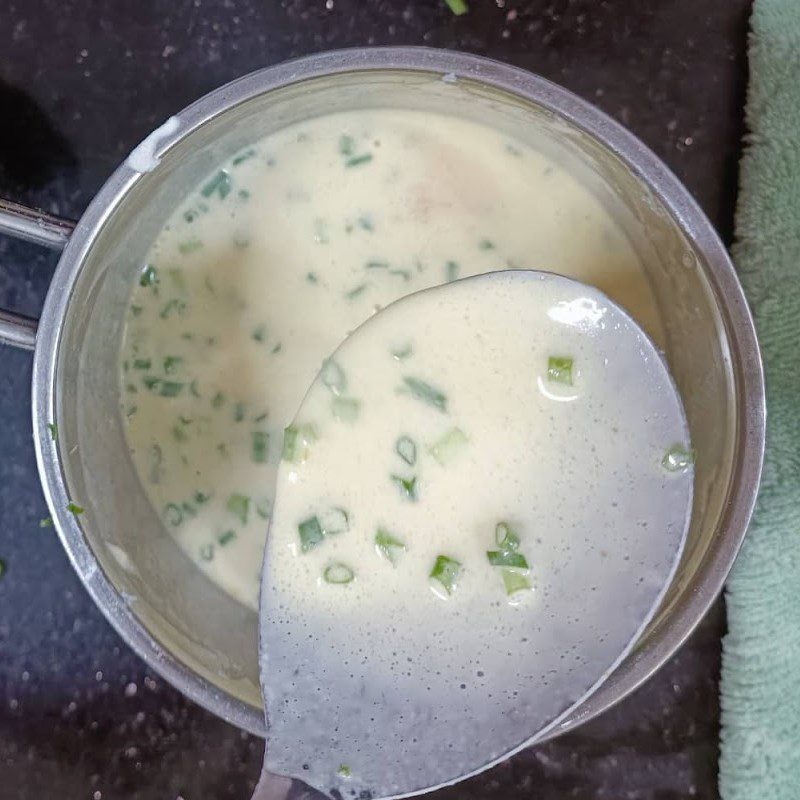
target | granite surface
[{"x": 80, "y": 84}]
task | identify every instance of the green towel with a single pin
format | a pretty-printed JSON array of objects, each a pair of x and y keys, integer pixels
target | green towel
[{"x": 760, "y": 748}]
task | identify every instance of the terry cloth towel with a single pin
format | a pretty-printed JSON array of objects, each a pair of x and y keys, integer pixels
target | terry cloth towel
[{"x": 760, "y": 747}]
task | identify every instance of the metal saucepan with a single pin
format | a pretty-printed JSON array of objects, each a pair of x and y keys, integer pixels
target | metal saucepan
[{"x": 181, "y": 624}]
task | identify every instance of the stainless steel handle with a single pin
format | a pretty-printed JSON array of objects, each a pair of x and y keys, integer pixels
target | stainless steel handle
[{"x": 38, "y": 227}]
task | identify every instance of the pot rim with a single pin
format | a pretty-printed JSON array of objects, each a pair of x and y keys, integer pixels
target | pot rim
[{"x": 740, "y": 329}]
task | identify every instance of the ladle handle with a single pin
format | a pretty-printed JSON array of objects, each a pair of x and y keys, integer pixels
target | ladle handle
[{"x": 38, "y": 227}]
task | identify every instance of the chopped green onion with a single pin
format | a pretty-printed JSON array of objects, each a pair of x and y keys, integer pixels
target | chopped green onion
[
  {"x": 405, "y": 273},
  {"x": 446, "y": 571},
  {"x": 377, "y": 265},
  {"x": 365, "y": 223},
  {"x": 311, "y": 533},
  {"x": 142, "y": 363},
  {"x": 2, "y": 567},
  {"x": 449, "y": 446},
  {"x": 217, "y": 400},
  {"x": 220, "y": 183},
  {"x": 407, "y": 486},
  {"x": 505, "y": 537},
  {"x": 53, "y": 428},
  {"x": 355, "y": 292},
  {"x": 559, "y": 369},
  {"x": 263, "y": 509},
  {"x": 333, "y": 376},
  {"x": 458, "y": 7},
  {"x": 225, "y": 538},
  {"x": 260, "y": 443},
  {"x": 193, "y": 389},
  {"x": 170, "y": 389},
  {"x": 514, "y": 581},
  {"x": 149, "y": 276},
  {"x": 338, "y": 573},
  {"x": 402, "y": 352},
  {"x": 277, "y": 348},
  {"x": 171, "y": 363},
  {"x": 189, "y": 246},
  {"x": 297, "y": 441},
  {"x": 238, "y": 505},
  {"x": 407, "y": 450},
  {"x": 507, "y": 558},
  {"x": 311, "y": 277},
  {"x": 172, "y": 304},
  {"x": 242, "y": 157},
  {"x": 207, "y": 552},
  {"x": 238, "y": 412},
  {"x": 452, "y": 271},
  {"x": 173, "y": 513},
  {"x": 356, "y": 161},
  {"x": 346, "y": 145},
  {"x": 425, "y": 392},
  {"x": 334, "y": 520},
  {"x": 260, "y": 333},
  {"x": 188, "y": 509},
  {"x": 201, "y": 497},
  {"x": 345, "y": 409},
  {"x": 485, "y": 244},
  {"x": 47, "y": 522},
  {"x": 179, "y": 433},
  {"x": 678, "y": 458},
  {"x": 136, "y": 310},
  {"x": 344, "y": 771},
  {"x": 74, "y": 508},
  {"x": 388, "y": 546}
]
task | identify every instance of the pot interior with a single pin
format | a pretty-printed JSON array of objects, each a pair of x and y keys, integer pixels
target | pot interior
[{"x": 192, "y": 621}]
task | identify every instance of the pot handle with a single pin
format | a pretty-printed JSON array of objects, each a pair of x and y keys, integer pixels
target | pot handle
[{"x": 38, "y": 227}]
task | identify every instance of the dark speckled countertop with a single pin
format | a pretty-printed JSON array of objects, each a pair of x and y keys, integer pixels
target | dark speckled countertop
[{"x": 80, "y": 84}]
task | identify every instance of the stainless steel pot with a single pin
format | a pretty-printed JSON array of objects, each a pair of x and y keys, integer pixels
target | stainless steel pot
[{"x": 186, "y": 629}]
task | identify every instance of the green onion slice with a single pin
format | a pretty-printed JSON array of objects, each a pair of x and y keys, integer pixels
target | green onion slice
[
  {"x": 238, "y": 505},
  {"x": 407, "y": 450},
  {"x": 53, "y": 428},
  {"x": 260, "y": 444},
  {"x": 423, "y": 391},
  {"x": 507, "y": 558},
  {"x": 514, "y": 581},
  {"x": 402, "y": 352},
  {"x": 505, "y": 537},
  {"x": 449, "y": 446},
  {"x": 333, "y": 376},
  {"x": 297, "y": 441},
  {"x": 678, "y": 458},
  {"x": 225, "y": 538},
  {"x": 458, "y": 7},
  {"x": 446, "y": 572},
  {"x": 344, "y": 771},
  {"x": 74, "y": 508},
  {"x": 149, "y": 276},
  {"x": 559, "y": 369},
  {"x": 388, "y": 546},
  {"x": 345, "y": 409},
  {"x": 311, "y": 534},
  {"x": 407, "y": 486},
  {"x": 338, "y": 573}
]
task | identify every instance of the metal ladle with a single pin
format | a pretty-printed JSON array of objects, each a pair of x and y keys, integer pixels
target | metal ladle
[{"x": 409, "y": 742}]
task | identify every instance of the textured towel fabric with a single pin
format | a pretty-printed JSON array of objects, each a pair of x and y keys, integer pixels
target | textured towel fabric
[{"x": 760, "y": 749}]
